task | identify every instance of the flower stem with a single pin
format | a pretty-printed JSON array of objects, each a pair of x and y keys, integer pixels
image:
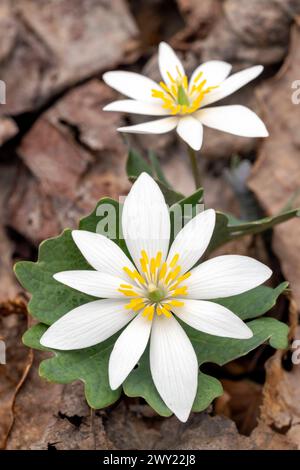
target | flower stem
[{"x": 195, "y": 167}]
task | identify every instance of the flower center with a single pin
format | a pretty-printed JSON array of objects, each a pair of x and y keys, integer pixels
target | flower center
[
  {"x": 157, "y": 287},
  {"x": 155, "y": 293},
  {"x": 180, "y": 98}
]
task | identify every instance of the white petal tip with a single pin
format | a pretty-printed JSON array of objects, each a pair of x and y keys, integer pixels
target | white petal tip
[
  {"x": 211, "y": 212},
  {"x": 246, "y": 334},
  {"x": 143, "y": 180},
  {"x": 196, "y": 147},
  {"x": 144, "y": 176},
  {"x": 113, "y": 384},
  {"x": 183, "y": 416},
  {"x": 44, "y": 341},
  {"x": 269, "y": 272},
  {"x": 265, "y": 133},
  {"x": 107, "y": 108},
  {"x": 163, "y": 44},
  {"x": 49, "y": 340},
  {"x": 77, "y": 235},
  {"x": 261, "y": 130},
  {"x": 107, "y": 76}
]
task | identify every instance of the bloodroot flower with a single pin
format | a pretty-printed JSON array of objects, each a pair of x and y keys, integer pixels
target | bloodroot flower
[
  {"x": 185, "y": 101},
  {"x": 150, "y": 292}
]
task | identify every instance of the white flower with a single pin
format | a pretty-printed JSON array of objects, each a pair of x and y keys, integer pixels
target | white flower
[
  {"x": 185, "y": 102},
  {"x": 149, "y": 294}
]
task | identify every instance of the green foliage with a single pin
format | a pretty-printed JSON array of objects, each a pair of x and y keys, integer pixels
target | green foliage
[{"x": 50, "y": 300}]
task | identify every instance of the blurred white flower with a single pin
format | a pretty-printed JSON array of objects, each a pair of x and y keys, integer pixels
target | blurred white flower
[
  {"x": 185, "y": 102},
  {"x": 150, "y": 294}
]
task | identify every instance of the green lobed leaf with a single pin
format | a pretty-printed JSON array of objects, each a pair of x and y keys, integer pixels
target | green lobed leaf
[
  {"x": 136, "y": 164},
  {"x": 255, "y": 302},
  {"x": 230, "y": 228},
  {"x": 157, "y": 169},
  {"x": 51, "y": 299},
  {"x": 208, "y": 348},
  {"x": 89, "y": 365}
]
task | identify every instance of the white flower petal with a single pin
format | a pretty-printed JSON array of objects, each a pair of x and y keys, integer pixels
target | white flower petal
[
  {"x": 225, "y": 276},
  {"x": 158, "y": 126},
  {"x": 193, "y": 239},
  {"x": 213, "y": 319},
  {"x": 234, "y": 119},
  {"x": 136, "y": 107},
  {"x": 102, "y": 253},
  {"x": 231, "y": 84},
  {"x": 87, "y": 325},
  {"x": 174, "y": 366},
  {"x": 169, "y": 63},
  {"x": 132, "y": 84},
  {"x": 128, "y": 349},
  {"x": 213, "y": 71},
  {"x": 146, "y": 220},
  {"x": 191, "y": 131},
  {"x": 92, "y": 283}
]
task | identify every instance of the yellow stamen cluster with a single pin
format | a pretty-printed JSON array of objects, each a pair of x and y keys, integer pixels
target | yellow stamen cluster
[
  {"x": 178, "y": 98},
  {"x": 156, "y": 288}
]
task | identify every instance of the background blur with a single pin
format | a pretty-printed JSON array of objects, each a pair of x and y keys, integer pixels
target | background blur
[{"x": 60, "y": 153}]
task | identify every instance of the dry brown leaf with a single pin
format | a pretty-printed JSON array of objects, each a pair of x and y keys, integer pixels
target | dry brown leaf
[
  {"x": 13, "y": 323},
  {"x": 242, "y": 403},
  {"x": 8, "y": 129},
  {"x": 74, "y": 156},
  {"x": 255, "y": 32},
  {"x": 128, "y": 429},
  {"x": 281, "y": 409},
  {"x": 276, "y": 174},
  {"x": 47, "y": 53},
  {"x": 9, "y": 287},
  {"x": 199, "y": 17}
]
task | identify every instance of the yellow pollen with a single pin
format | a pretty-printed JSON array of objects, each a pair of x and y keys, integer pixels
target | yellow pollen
[
  {"x": 185, "y": 82},
  {"x": 171, "y": 78},
  {"x": 184, "y": 277},
  {"x": 173, "y": 274},
  {"x": 178, "y": 71},
  {"x": 128, "y": 293},
  {"x": 177, "y": 97},
  {"x": 174, "y": 260},
  {"x": 144, "y": 265},
  {"x": 163, "y": 271},
  {"x": 135, "y": 275},
  {"x": 149, "y": 312},
  {"x": 163, "y": 311},
  {"x": 158, "y": 259},
  {"x": 145, "y": 256},
  {"x": 175, "y": 303},
  {"x": 168, "y": 305},
  {"x": 180, "y": 291},
  {"x": 152, "y": 266},
  {"x": 135, "y": 304},
  {"x": 198, "y": 76}
]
